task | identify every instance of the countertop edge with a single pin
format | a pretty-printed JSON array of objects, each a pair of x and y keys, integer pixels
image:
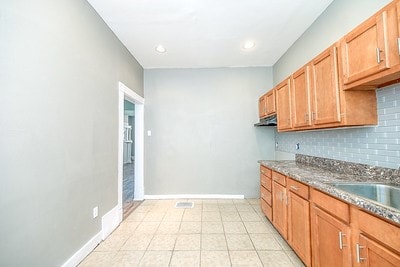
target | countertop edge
[{"x": 308, "y": 177}]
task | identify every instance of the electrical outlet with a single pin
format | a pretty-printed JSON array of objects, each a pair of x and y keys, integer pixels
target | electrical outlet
[
  {"x": 297, "y": 146},
  {"x": 95, "y": 212},
  {"x": 149, "y": 133}
]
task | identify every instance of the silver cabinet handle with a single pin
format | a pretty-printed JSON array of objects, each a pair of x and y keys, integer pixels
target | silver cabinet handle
[
  {"x": 378, "y": 55},
  {"x": 341, "y": 245},
  {"x": 306, "y": 117},
  {"x": 358, "y": 252},
  {"x": 295, "y": 188},
  {"x": 281, "y": 196},
  {"x": 398, "y": 45}
]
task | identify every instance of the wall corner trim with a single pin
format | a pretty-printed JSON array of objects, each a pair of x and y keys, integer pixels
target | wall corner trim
[
  {"x": 206, "y": 196},
  {"x": 83, "y": 251},
  {"x": 109, "y": 222}
]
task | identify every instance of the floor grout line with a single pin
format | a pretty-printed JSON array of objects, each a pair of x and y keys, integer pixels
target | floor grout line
[{"x": 216, "y": 208}]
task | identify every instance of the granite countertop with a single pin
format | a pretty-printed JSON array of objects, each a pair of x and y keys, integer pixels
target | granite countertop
[{"x": 319, "y": 178}]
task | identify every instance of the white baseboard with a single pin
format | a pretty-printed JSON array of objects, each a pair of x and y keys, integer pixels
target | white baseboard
[
  {"x": 110, "y": 221},
  {"x": 191, "y": 196},
  {"x": 83, "y": 251}
]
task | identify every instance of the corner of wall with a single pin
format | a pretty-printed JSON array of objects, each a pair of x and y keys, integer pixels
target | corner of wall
[{"x": 109, "y": 222}]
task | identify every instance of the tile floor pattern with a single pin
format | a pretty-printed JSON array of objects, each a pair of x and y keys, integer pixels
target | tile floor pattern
[{"x": 213, "y": 233}]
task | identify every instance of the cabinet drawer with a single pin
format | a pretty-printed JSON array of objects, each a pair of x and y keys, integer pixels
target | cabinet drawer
[
  {"x": 267, "y": 210},
  {"x": 266, "y": 182},
  {"x": 266, "y": 195},
  {"x": 265, "y": 171},
  {"x": 279, "y": 178},
  {"x": 298, "y": 188},
  {"x": 334, "y": 206}
]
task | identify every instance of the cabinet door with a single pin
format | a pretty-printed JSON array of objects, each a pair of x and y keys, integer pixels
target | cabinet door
[
  {"x": 283, "y": 106},
  {"x": 301, "y": 98},
  {"x": 325, "y": 88},
  {"x": 365, "y": 49},
  {"x": 299, "y": 227},
  {"x": 372, "y": 254},
  {"x": 279, "y": 208},
  {"x": 330, "y": 240},
  {"x": 270, "y": 102},
  {"x": 262, "y": 108}
]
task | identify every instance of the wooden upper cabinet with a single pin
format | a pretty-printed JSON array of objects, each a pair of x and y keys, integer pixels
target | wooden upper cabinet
[
  {"x": 262, "y": 107},
  {"x": 283, "y": 106},
  {"x": 266, "y": 104},
  {"x": 270, "y": 102},
  {"x": 364, "y": 50},
  {"x": 325, "y": 90},
  {"x": 370, "y": 50},
  {"x": 315, "y": 92},
  {"x": 300, "y": 92},
  {"x": 332, "y": 89},
  {"x": 317, "y": 100}
]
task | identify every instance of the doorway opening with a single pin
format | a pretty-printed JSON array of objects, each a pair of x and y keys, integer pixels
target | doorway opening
[
  {"x": 128, "y": 172},
  {"x": 130, "y": 152}
]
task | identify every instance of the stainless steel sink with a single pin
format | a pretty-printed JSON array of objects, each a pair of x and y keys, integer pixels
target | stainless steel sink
[{"x": 387, "y": 195}]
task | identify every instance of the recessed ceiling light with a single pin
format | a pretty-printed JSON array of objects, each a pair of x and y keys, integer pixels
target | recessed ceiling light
[
  {"x": 248, "y": 45},
  {"x": 160, "y": 49}
]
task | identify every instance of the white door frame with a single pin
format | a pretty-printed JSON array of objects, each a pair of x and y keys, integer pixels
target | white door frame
[{"x": 125, "y": 93}]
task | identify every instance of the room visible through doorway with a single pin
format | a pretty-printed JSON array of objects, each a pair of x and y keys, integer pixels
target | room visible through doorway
[
  {"x": 128, "y": 181},
  {"x": 130, "y": 151}
]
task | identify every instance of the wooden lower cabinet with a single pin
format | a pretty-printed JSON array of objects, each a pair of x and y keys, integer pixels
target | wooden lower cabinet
[
  {"x": 325, "y": 231},
  {"x": 267, "y": 209},
  {"x": 265, "y": 191},
  {"x": 370, "y": 253},
  {"x": 299, "y": 227},
  {"x": 330, "y": 240},
  {"x": 279, "y": 208}
]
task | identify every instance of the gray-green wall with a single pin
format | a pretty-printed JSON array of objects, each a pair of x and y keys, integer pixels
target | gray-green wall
[
  {"x": 337, "y": 20},
  {"x": 59, "y": 71},
  {"x": 203, "y": 139}
]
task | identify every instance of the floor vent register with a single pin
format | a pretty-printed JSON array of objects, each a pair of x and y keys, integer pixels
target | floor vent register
[{"x": 184, "y": 205}]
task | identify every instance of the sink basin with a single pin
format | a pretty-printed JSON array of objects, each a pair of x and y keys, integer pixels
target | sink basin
[{"x": 387, "y": 195}]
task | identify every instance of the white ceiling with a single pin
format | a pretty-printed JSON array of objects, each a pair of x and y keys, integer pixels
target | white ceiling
[{"x": 208, "y": 33}]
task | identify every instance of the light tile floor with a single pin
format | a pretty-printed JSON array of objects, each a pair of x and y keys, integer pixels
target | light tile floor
[{"x": 213, "y": 233}]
